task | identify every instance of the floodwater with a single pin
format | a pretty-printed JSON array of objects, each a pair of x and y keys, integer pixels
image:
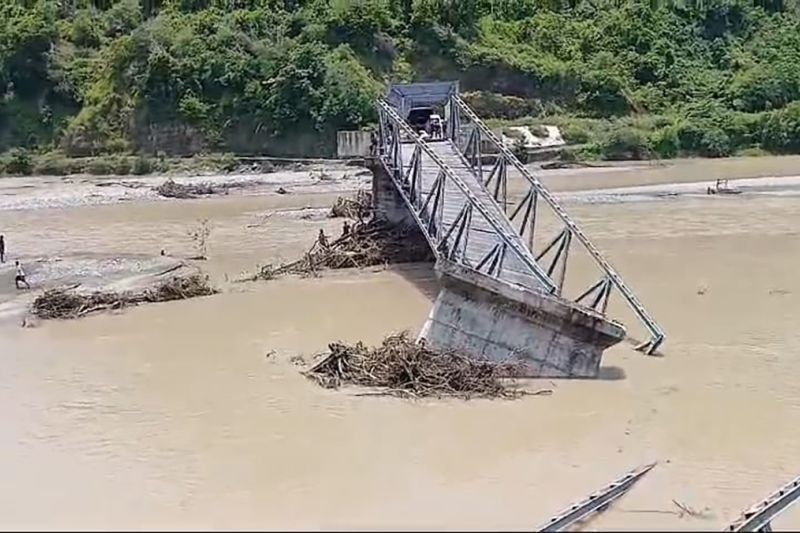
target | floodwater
[{"x": 191, "y": 414}]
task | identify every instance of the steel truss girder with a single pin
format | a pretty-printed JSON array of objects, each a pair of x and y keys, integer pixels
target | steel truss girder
[
  {"x": 496, "y": 185},
  {"x": 759, "y": 517},
  {"x": 596, "y": 501},
  {"x": 428, "y": 212}
]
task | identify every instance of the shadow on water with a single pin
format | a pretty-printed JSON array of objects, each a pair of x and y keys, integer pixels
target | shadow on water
[
  {"x": 422, "y": 277},
  {"x": 611, "y": 373}
]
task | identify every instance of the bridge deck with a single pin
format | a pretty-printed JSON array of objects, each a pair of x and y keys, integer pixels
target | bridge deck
[{"x": 482, "y": 237}]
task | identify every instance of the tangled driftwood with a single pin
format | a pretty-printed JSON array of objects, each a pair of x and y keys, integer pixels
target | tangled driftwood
[
  {"x": 172, "y": 189},
  {"x": 361, "y": 245},
  {"x": 402, "y": 367},
  {"x": 357, "y": 208},
  {"x": 65, "y": 303}
]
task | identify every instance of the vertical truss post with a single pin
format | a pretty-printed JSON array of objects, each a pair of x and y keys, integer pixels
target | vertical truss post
[
  {"x": 472, "y": 149},
  {"x": 528, "y": 210},
  {"x": 478, "y": 155},
  {"x": 500, "y": 184},
  {"x": 606, "y": 296},
  {"x": 553, "y": 242},
  {"x": 504, "y": 176},
  {"x": 468, "y": 225},
  {"x": 562, "y": 241},
  {"x": 435, "y": 218},
  {"x": 602, "y": 292},
  {"x": 525, "y": 202},
  {"x": 413, "y": 167},
  {"x": 488, "y": 257},
  {"x": 563, "y": 272},
  {"x": 415, "y": 180},
  {"x": 493, "y": 173},
  {"x": 452, "y": 124},
  {"x": 458, "y": 226},
  {"x": 381, "y": 133},
  {"x": 533, "y": 220}
]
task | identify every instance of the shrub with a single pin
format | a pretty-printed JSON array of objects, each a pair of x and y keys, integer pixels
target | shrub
[
  {"x": 18, "y": 162},
  {"x": 226, "y": 162},
  {"x": 142, "y": 165},
  {"x": 781, "y": 131},
  {"x": 665, "y": 142},
  {"x": 55, "y": 164},
  {"x": 109, "y": 166},
  {"x": 575, "y": 133},
  {"x": 625, "y": 143},
  {"x": 703, "y": 138},
  {"x": 492, "y": 105}
]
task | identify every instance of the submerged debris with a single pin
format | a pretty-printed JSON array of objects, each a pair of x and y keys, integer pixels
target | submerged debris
[
  {"x": 402, "y": 367},
  {"x": 362, "y": 244},
  {"x": 358, "y": 208},
  {"x": 65, "y": 303}
]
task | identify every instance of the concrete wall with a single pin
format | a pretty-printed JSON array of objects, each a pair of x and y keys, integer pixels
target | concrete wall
[
  {"x": 389, "y": 205},
  {"x": 352, "y": 143},
  {"x": 490, "y": 319}
]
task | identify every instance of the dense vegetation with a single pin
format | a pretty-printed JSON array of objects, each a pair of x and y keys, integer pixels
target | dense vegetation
[{"x": 627, "y": 79}]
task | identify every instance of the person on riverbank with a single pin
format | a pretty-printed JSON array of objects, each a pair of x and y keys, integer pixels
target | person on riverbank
[
  {"x": 20, "y": 277},
  {"x": 2, "y": 249}
]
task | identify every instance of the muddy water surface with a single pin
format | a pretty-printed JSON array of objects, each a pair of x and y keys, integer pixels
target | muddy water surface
[{"x": 191, "y": 414}]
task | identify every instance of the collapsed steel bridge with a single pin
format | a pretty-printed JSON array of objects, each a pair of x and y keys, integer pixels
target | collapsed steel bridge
[{"x": 469, "y": 215}]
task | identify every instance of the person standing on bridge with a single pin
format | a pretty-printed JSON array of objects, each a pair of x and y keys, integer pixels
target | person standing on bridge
[{"x": 436, "y": 126}]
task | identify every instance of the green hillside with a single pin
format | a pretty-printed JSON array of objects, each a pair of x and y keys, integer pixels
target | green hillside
[{"x": 626, "y": 79}]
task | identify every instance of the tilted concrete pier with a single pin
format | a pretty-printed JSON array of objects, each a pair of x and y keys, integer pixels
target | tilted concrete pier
[{"x": 491, "y": 319}]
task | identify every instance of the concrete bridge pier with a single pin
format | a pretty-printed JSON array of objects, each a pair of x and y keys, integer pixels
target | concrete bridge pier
[
  {"x": 483, "y": 317},
  {"x": 388, "y": 202}
]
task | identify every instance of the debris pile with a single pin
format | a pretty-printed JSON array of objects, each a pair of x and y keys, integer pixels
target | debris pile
[
  {"x": 358, "y": 208},
  {"x": 361, "y": 244},
  {"x": 171, "y": 189},
  {"x": 402, "y": 367},
  {"x": 65, "y": 303}
]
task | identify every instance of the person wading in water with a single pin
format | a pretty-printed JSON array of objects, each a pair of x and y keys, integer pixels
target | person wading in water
[
  {"x": 20, "y": 277},
  {"x": 2, "y": 249}
]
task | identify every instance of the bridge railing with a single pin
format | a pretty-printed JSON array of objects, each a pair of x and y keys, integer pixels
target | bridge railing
[
  {"x": 470, "y": 134},
  {"x": 449, "y": 239}
]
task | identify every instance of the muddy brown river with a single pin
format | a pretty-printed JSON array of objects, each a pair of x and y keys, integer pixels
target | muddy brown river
[{"x": 191, "y": 414}]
